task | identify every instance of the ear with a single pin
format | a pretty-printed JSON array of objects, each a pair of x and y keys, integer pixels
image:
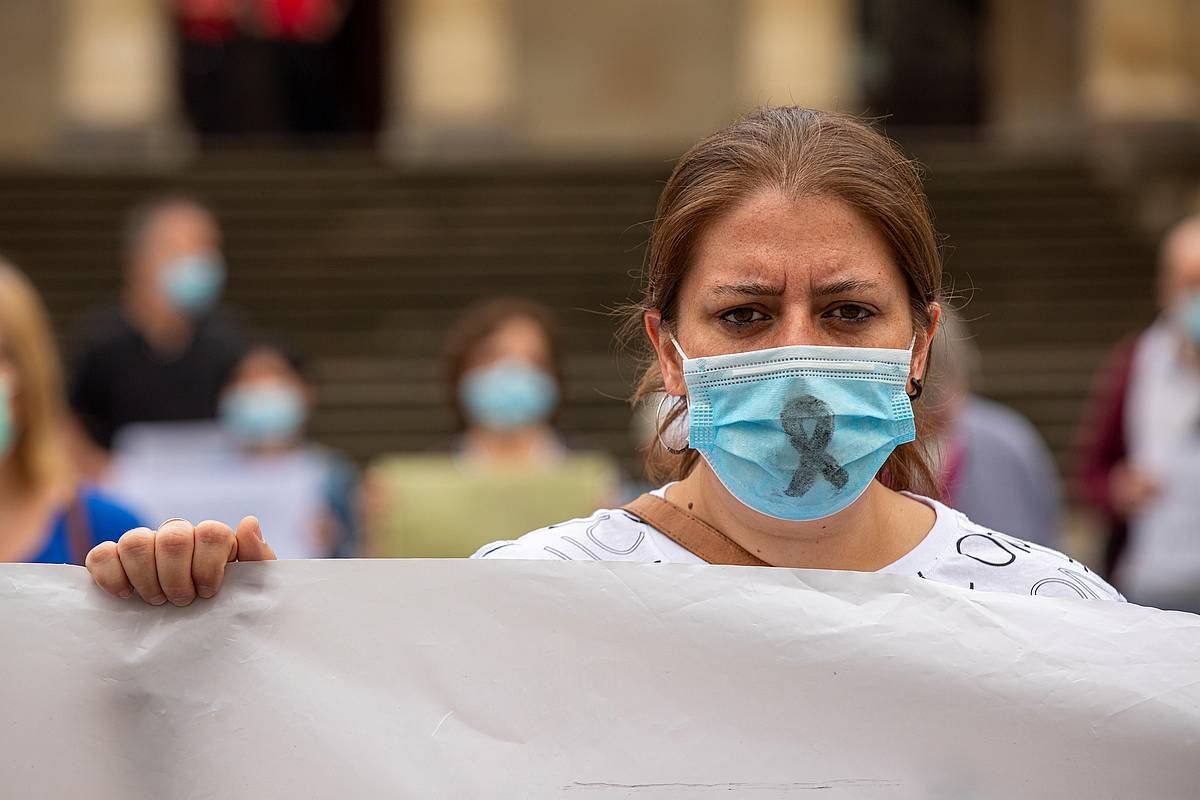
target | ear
[
  {"x": 669, "y": 362},
  {"x": 920, "y": 359}
]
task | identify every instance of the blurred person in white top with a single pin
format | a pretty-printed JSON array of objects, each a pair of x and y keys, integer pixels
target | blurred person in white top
[
  {"x": 1141, "y": 460},
  {"x": 790, "y": 299}
]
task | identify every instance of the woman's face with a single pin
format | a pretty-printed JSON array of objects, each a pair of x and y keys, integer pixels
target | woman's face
[
  {"x": 775, "y": 272},
  {"x": 517, "y": 339}
]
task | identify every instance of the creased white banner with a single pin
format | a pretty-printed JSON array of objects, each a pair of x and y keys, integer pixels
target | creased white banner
[{"x": 470, "y": 679}]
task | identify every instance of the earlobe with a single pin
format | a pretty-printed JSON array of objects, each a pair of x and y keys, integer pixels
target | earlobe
[{"x": 916, "y": 383}]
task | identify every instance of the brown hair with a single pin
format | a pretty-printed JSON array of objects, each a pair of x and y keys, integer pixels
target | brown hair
[
  {"x": 40, "y": 452},
  {"x": 481, "y": 320},
  {"x": 799, "y": 152}
]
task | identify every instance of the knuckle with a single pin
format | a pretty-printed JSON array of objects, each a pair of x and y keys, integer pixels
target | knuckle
[
  {"x": 101, "y": 555},
  {"x": 213, "y": 534},
  {"x": 174, "y": 543},
  {"x": 137, "y": 543},
  {"x": 175, "y": 526}
]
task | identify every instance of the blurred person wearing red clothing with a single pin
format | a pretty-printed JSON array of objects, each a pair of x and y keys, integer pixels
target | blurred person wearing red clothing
[{"x": 1140, "y": 463}]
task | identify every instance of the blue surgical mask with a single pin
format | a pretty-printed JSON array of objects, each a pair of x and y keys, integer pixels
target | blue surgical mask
[
  {"x": 509, "y": 394},
  {"x": 193, "y": 283},
  {"x": 263, "y": 414},
  {"x": 1189, "y": 317},
  {"x": 8, "y": 433},
  {"x": 798, "y": 433}
]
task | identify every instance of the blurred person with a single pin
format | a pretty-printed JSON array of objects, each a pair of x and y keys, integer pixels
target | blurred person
[
  {"x": 164, "y": 354},
  {"x": 207, "y": 33},
  {"x": 503, "y": 374},
  {"x": 992, "y": 464},
  {"x": 791, "y": 296},
  {"x": 46, "y": 515},
  {"x": 1140, "y": 461},
  {"x": 265, "y": 408},
  {"x": 299, "y": 34},
  {"x": 256, "y": 456}
]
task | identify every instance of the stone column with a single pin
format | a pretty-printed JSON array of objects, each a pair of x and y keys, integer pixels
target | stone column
[
  {"x": 452, "y": 77},
  {"x": 1034, "y": 71},
  {"x": 1141, "y": 61},
  {"x": 799, "y": 53},
  {"x": 29, "y": 32},
  {"x": 117, "y": 90}
]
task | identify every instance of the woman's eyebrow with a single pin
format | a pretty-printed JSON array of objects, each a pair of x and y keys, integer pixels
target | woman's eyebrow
[
  {"x": 845, "y": 286},
  {"x": 752, "y": 289}
]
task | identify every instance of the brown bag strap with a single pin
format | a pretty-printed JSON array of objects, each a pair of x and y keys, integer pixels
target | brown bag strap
[
  {"x": 692, "y": 533},
  {"x": 79, "y": 531}
]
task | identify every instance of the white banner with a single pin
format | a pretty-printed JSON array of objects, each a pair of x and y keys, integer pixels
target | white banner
[{"x": 476, "y": 679}]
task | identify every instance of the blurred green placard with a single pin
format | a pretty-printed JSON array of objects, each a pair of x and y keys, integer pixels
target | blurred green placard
[{"x": 443, "y": 506}]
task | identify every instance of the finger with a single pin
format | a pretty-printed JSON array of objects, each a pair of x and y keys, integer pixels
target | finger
[
  {"x": 105, "y": 567},
  {"x": 173, "y": 548},
  {"x": 215, "y": 547},
  {"x": 251, "y": 546},
  {"x": 136, "y": 551}
]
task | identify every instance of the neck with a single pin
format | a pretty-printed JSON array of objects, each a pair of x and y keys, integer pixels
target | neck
[
  {"x": 163, "y": 327},
  {"x": 519, "y": 446},
  {"x": 267, "y": 449},
  {"x": 874, "y": 531}
]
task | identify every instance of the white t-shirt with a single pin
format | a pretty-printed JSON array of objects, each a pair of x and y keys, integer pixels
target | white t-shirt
[{"x": 955, "y": 551}]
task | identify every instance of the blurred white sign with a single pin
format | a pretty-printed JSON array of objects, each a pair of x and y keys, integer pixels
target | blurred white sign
[
  {"x": 194, "y": 471},
  {"x": 476, "y": 679}
]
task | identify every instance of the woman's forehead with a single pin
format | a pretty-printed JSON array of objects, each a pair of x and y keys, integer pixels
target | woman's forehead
[{"x": 776, "y": 243}]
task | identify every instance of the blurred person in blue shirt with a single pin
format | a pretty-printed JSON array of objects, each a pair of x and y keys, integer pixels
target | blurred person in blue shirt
[
  {"x": 46, "y": 515},
  {"x": 993, "y": 465}
]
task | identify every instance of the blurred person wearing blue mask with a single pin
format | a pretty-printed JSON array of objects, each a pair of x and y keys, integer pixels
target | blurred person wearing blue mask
[
  {"x": 790, "y": 297},
  {"x": 1140, "y": 459},
  {"x": 503, "y": 381},
  {"x": 503, "y": 375},
  {"x": 47, "y": 514},
  {"x": 164, "y": 353},
  {"x": 264, "y": 410}
]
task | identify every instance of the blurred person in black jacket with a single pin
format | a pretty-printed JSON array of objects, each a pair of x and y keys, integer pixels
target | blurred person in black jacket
[{"x": 162, "y": 354}]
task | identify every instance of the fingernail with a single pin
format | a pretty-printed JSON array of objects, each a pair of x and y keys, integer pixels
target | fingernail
[
  {"x": 204, "y": 591},
  {"x": 124, "y": 594},
  {"x": 157, "y": 600},
  {"x": 258, "y": 530}
]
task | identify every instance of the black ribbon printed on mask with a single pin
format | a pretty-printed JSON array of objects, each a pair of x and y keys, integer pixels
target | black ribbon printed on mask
[{"x": 811, "y": 447}]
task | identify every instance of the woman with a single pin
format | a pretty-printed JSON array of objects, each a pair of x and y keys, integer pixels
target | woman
[
  {"x": 504, "y": 383},
  {"x": 265, "y": 408},
  {"x": 45, "y": 515},
  {"x": 791, "y": 297}
]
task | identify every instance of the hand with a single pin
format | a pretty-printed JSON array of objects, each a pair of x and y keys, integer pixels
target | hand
[
  {"x": 177, "y": 562},
  {"x": 1130, "y": 488}
]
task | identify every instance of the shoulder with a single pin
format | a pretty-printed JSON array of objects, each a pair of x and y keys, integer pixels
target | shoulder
[
  {"x": 99, "y": 330},
  {"x": 975, "y": 557},
  {"x": 609, "y": 534},
  {"x": 1001, "y": 429},
  {"x": 107, "y": 517}
]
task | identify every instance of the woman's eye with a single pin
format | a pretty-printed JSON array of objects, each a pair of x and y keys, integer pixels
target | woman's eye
[
  {"x": 851, "y": 312},
  {"x": 743, "y": 316}
]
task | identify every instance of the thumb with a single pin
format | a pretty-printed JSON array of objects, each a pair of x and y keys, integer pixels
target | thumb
[{"x": 251, "y": 546}]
